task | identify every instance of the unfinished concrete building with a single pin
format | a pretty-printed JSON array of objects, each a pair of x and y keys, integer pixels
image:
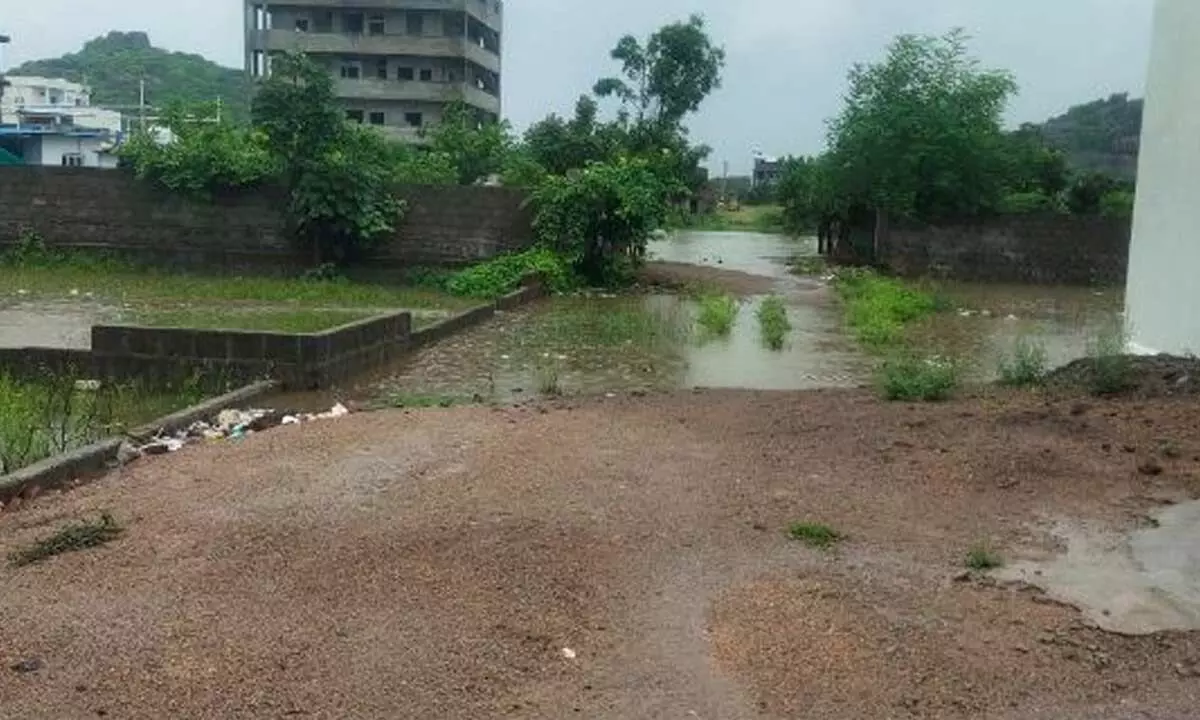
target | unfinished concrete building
[{"x": 396, "y": 63}]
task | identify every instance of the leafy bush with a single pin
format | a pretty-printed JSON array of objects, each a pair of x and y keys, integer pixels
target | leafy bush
[
  {"x": 1028, "y": 203},
  {"x": 773, "y": 322},
  {"x": 981, "y": 557},
  {"x": 878, "y": 308},
  {"x": 1026, "y": 365},
  {"x": 911, "y": 378},
  {"x": 599, "y": 218},
  {"x": 1087, "y": 190},
  {"x": 717, "y": 314},
  {"x": 1117, "y": 204},
  {"x": 504, "y": 274},
  {"x": 815, "y": 535}
]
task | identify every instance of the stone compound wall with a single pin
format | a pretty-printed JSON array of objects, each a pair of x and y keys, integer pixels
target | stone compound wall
[
  {"x": 1050, "y": 249},
  {"x": 110, "y": 210}
]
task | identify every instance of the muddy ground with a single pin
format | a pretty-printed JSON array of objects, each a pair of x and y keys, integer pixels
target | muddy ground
[{"x": 608, "y": 558}]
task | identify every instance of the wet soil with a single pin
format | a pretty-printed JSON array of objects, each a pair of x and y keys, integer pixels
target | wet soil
[
  {"x": 609, "y": 558},
  {"x": 1154, "y": 376}
]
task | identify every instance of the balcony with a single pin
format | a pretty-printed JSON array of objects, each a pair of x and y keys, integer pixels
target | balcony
[
  {"x": 484, "y": 11},
  {"x": 343, "y": 44},
  {"x": 413, "y": 91}
]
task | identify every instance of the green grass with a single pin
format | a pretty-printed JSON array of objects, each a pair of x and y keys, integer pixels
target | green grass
[
  {"x": 52, "y": 414},
  {"x": 549, "y": 381},
  {"x": 747, "y": 218},
  {"x": 72, "y": 538},
  {"x": 264, "y": 320},
  {"x": 982, "y": 558},
  {"x": 1026, "y": 366},
  {"x": 773, "y": 322},
  {"x": 910, "y": 378},
  {"x": 718, "y": 313},
  {"x": 878, "y": 309},
  {"x": 815, "y": 535}
]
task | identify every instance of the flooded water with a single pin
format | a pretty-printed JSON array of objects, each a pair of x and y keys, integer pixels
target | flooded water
[{"x": 51, "y": 323}]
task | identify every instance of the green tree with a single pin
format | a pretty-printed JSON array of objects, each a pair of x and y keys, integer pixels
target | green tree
[
  {"x": 560, "y": 145},
  {"x": 340, "y": 179},
  {"x": 1085, "y": 194},
  {"x": 920, "y": 134},
  {"x": 475, "y": 148},
  {"x": 669, "y": 76}
]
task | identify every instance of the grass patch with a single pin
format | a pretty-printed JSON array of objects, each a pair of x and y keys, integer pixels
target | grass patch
[
  {"x": 1026, "y": 366},
  {"x": 910, "y": 378},
  {"x": 815, "y": 535},
  {"x": 773, "y": 322},
  {"x": 1112, "y": 368},
  {"x": 808, "y": 265},
  {"x": 416, "y": 401},
  {"x": 747, "y": 218},
  {"x": 267, "y": 320},
  {"x": 878, "y": 309},
  {"x": 981, "y": 558},
  {"x": 717, "y": 315},
  {"x": 501, "y": 275},
  {"x": 72, "y": 538},
  {"x": 52, "y": 414},
  {"x": 549, "y": 382}
]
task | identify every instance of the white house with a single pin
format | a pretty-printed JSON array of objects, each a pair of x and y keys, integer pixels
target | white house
[
  {"x": 1163, "y": 292},
  {"x": 39, "y": 95}
]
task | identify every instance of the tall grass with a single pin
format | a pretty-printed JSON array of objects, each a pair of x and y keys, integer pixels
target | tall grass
[
  {"x": 773, "y": 322},
  {"x": 1112, "y": 367},
  {"x": 879, "y": 308},
  {"x": 1026, "y": 366},
  {"x": 910, "y": 377},
  {"x": 718, "y": 313}
]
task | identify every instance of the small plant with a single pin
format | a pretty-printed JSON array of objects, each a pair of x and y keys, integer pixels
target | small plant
[
  {"x": 879, "y": 308},
  {"x": 718, "y": 313},
  {"x": 504, "y": 274},
  {"x": 912, "y": 378},
  {"x": 773, "y": 322},
  {"x": 1112, "y": 368},
  {"x": 982, "y": 558},
  {"x": 73, "y": 537},
  {"x": 815, "y": 535},
  {"x": 1026, "y": 366},
  {"x": 548, "y": 381}
]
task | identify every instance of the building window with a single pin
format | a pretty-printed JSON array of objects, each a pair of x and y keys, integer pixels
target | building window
[
  {"x": 72, "y": 160},
  {"x": 378, "y": 118},
  {"x": 350, "y": 72},
  {"x": 377, "y": 25},
  {"x": 381, "y": 70},
  {"x": 302, "y": 25},
  {"x": 427, "y": 75},
  {"x": 324, "y": 22},
  {"x": 414, "y": 119},
  {"x": 405, "y": 73},
  {"x": 352, "y": 23},
  {"x": 355, "y": 116},
  {"x": 416, "y": 23}
]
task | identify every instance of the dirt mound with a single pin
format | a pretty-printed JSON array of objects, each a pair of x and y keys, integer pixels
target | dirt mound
[{"x": 1147, "y": 376}]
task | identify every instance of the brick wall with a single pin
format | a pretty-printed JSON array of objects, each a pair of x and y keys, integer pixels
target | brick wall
[
  {"x": 1036, "y": 249},
  {"x": 111, "y": 210}
]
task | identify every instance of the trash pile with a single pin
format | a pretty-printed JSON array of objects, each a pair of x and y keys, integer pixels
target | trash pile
[{"x": 228, "y": 426}]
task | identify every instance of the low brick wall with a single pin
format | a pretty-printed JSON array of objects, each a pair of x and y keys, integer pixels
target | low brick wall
[{"x": 1047, "y": 249}]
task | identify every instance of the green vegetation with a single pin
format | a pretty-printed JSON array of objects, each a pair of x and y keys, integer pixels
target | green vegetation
[
  {"x": 1100, "y": 136},
  {"x": 773, "y": 322},
  {"x": 718, "y": 313},
  {"x": 505, "y": 273},
  {"x": 72, "y": 538},
  {"x": 815, "y": 535},
  {"x": 549, "y": 382},
  {"x": 52, "y": 413},
  {"x": 982, "y": 558},
  {"x": 114, "y": 65},
  {"x": 1111, "y": 366},
  {"x": 747, "y": 218},
  {"x": 260, "y": 319},
  {"x": 1026, "y": 366},
  {"x": 879, "y": 308},
  {"x": 909, "y": 377}
]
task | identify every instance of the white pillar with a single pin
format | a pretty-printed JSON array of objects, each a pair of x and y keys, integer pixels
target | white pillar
[{"x": 1163, "y": 289}]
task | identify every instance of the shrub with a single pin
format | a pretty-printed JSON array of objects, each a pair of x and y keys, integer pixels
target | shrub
[
  {"x": 878, "y": 308},
  {"x": 504, "y": 274},
  {"x": 773, "y": 322},
  {"x": 981, "y": 557},
  {"x": 1117, "y": 204},
  {"x": 1112, "y": 368},
  {"x": 717, "y": 314},
  {"x": 1026, "y": 365},
  {"x": 912, "y": 378},
  {"x": 815, "y": 535}
]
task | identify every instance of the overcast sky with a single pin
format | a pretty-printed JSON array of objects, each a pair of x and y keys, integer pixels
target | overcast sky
[{"x": 787, "y": 59}]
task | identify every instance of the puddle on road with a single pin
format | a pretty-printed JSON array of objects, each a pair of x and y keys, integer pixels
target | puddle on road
[{"x": 1137, "y": 584}]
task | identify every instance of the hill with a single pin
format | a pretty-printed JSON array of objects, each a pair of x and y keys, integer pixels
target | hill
[
  {"x": 114, "y": 64},
  {"x": 1103, "y": 135}
]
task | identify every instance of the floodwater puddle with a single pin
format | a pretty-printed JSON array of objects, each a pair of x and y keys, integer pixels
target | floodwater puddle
[{"x": 52, "y": 323}]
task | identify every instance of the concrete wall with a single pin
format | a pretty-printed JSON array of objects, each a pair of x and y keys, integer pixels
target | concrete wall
[
  {"x": 113, "y": 211},
  {"x": 1163, "y": 291},
  {"x": 1048, "y": 249},
  {"x": 54, "y": 147}
]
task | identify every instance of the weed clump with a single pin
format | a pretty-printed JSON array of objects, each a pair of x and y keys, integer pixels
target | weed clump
[
  {"x": 878, "y": 308},
  {"x": 912, "y": 378},
  {"x": 773, "y": 322},
  {"x": 1026, "y": 366},
  {"x": 982, "y": 558},
  {"x": 718, "y": 313},
  {"x": 815, "y": 535},
  {"x": 1112, "y": 369},
  {"x": 72, "y": 538}
]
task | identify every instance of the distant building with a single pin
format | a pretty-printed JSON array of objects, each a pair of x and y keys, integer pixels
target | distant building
[
  {"x": 396, "y": 63},
  {"x": 766, "y": 171},
  {"x": 39, "y": 96},
  {"x": 48, "y": 121}
]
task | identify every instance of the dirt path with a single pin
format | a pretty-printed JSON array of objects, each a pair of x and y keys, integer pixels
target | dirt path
[{"x": 440, "y": 564}]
